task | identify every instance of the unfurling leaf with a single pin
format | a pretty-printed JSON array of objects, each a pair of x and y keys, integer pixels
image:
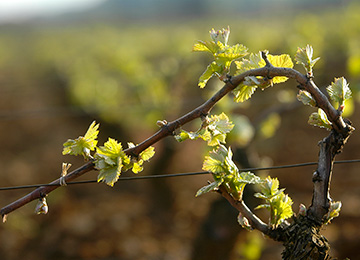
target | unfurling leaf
[
  {"x": 320, "y": 119},
  {"x": 220, "y": 163},
  {"x": 334, "y": 211},
  {"x": 213, "y": 131},
  {"x": 306, "y": 98},
  {"x": 136, "y": 163},
  {"x": 211, "y": 187},
  {"x": 83, "y": 144},
  {"x": 109, "y": 160},
  {"x": 244, "y": 222},
  {"x": 277, "y": 202},
  {"x": 223, "y": 55},
  {"x": 220, "y": 35},
  {"x": 304, "y": 57},
  {"x": 339, "y": 91}
]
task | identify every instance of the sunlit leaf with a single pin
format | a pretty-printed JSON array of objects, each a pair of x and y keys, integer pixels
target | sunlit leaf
[
  {"x": 230, "y": 54},
  {"x": 83, "y": 144},
  {"x": 243, "y": 92},
  {"x": 220, "y": 123},
  {"x": 247, "y": 64},
  {"x": 206, "y": 46},
  {"x": 269, "y": 188},
  {"x": 339, "y": 90},
  {"x": 137, "y": 166},
  {"x": 213, "y": 164},
  {"x": 304, "y": 57},
  {"x": 211, "y": 187},
  {"x": 320, "y": 119},
  {"x": 280, "y": 209},
  {"x": 109, "y": 160},
  {"x": 306, "y": 98},
  {"x": 283, "y": 61},
  {"x": 110, "y": 175},
  {"x": 277, "y": 202},
  {"x": 147, "y": 154},
  {"x": 211, "y": 70}
]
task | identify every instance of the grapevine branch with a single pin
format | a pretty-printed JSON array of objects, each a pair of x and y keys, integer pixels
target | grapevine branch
[{"x": 341, "y": 128}]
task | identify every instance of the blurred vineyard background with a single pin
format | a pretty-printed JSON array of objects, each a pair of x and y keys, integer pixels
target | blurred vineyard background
[{"x": 127, "y": 64}]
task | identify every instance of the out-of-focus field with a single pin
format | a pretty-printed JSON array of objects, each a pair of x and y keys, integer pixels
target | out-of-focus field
[{"x": 57, "y": 77}]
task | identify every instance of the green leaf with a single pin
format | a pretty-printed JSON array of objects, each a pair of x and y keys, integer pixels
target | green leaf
[
  {"x": 278, "y": 203},
  {"x": 109, "y": 160},
  {"x": 213, "y": 131},
  {"x": 230, "y": 54},
  {"x": 218, "y": 126},
  {"x": 283, "y": 61},
  {"x": 243, "y": 92},
  {"x": 219, "y": 161},
  {"x": 339, "y": 90},
  {"x": 211, "y": 70},
  {"x": 240, "y": 180},
  {"x": 304, "y": 57},
  {"x": 206, "y": 46},
  {"x": 306, "y": 98},
  {"x": 320, "y": 119},
  {"x": 136, "y": 163},
  {"x": 269, "y": 188},
  {"x": 216, "y": 139},
  {"x": 109, "y": 175},
  {"x": 83, "y": 144},
  {"x": 214, "y": 163},
  {"x": 211, "y": 187},
  {"x": 91, "y": 135},
  {"x": 280, "y": 209},
  {"x": 137, "y": 166},
  {"x": 147, "y": 154},
  {"x": 247, "y": 64}
]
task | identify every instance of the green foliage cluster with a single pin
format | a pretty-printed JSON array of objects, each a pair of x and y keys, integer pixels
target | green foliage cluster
[
  {"x": 219, "y": 161},
  {"x": 213, "y": 130},
  {"x": 225, "y": 172},
  {"x": 277, "y": 202},
  {"x": 110, "y": 159}
]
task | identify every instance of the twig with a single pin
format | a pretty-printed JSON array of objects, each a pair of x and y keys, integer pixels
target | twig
[
  {"x": 268, "y": 71},
  {"x": 254, "y": 221},
  {"x": 44, "y": 190}
]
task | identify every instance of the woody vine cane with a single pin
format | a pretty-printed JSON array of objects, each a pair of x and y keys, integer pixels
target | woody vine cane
[{"x": 259, "y": 70}]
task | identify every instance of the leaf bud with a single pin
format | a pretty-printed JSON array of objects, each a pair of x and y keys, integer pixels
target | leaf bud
[
  {"x": 41, "y": 207},
  {"x": 161, "y": 123},
  {"x": 302, "y": 210},
  {"x": 244, "y": 222},
  {"x": 220, "y": 35}
]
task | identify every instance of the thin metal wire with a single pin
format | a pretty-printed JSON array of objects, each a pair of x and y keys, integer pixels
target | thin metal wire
[{"x": 159, "y": 176}]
